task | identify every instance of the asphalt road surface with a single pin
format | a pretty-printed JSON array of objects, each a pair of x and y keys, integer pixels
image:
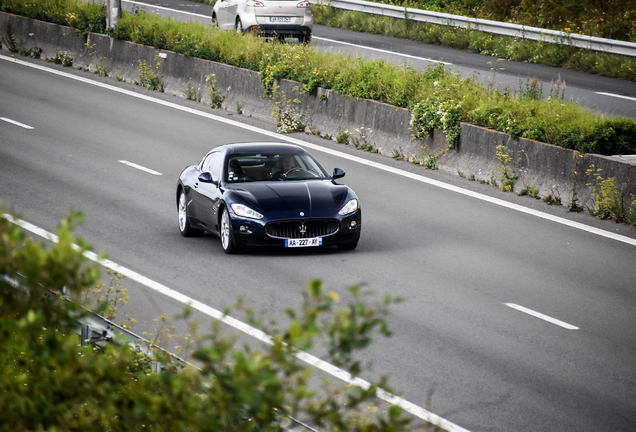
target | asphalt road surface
[{"x": 519, "y": 316}]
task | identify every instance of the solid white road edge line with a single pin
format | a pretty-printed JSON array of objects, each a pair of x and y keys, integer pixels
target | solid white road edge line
[
  {"x": 616, "y": 96},
  {"x": 247, "y": 329},
  {"x": 16, "y": 123},
  {"x": 282, "y": 137},
  {"x": 542, "y": 316},
  {"x": 139, "y": 167}
]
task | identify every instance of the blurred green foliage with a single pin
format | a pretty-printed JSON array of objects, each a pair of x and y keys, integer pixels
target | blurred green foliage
[{"x": 48, "y": 381}]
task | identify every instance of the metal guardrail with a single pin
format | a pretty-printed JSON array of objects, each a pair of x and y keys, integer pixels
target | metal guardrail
[
  {"x": 505, "y": 29},
  {"x": 95, "y": 329}
]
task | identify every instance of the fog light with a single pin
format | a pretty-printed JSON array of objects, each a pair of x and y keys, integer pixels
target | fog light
[
  {"x": 243, "y": 229},
  {"x": 353, "y": 224}
]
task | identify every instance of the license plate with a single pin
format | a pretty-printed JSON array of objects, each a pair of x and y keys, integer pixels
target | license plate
[
  {"x": 316, "y": 241},
  {"x": 280, "y": 19}
]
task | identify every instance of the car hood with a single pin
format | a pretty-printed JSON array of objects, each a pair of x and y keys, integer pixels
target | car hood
[{"x": 285, "y": 199}]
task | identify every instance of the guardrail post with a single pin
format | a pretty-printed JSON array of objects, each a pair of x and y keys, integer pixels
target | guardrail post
[
  {"x": 113, "y": 12},
  {"x": 85, "y": 334},
  {"x": 91, "y": 335}
]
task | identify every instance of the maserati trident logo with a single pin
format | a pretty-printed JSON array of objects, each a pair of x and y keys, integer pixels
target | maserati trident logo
[{"x": 303, "y": 229}]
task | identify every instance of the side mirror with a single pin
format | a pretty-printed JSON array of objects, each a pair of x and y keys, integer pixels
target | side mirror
[
  {"x": 338, "y": 173},
  {"x": 206, "y": 177}
]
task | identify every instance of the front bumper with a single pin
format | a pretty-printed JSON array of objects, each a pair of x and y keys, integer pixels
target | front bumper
[{"x": 252, "y": 233}]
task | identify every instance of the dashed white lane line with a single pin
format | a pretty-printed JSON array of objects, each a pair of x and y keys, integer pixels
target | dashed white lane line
[
  {"x": 139, "y": 167},
  {"x": 542, "y": 316},
  {"x": 247, "y": 329},
  {"x": 16, "y": 123},
  {"x": 617, "y": 96}
]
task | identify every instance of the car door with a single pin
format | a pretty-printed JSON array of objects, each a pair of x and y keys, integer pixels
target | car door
[
  {"x": 227, "y": 13},
  {"x": 208, "y": 194}
]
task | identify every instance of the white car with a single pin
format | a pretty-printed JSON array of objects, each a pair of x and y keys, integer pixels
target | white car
[{"x": 269, "y": 18}]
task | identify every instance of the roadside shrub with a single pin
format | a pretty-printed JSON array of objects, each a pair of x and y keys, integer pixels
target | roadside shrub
[
  {"x": 429, "y": 116},
  {"x": 84, "y": 17},
  {"x": 608, "y": 199},
  {"x": 611, "y": 137}
]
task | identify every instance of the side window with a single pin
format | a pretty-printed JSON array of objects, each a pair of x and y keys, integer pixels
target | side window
[{"x": 212, "y": 164}]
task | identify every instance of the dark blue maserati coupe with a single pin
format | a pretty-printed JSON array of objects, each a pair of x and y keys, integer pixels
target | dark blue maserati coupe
[{"x": 267, "y": 194}]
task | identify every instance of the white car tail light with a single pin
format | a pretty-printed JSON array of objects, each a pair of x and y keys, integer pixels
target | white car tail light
[
  {"x": 255, "y": 3},
  {"x": 303, "y": 4}
]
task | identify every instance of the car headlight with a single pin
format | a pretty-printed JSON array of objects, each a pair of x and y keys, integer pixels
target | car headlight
[
  {"x": 349, "y": 207},
  {"x": 245, "y": 211}
]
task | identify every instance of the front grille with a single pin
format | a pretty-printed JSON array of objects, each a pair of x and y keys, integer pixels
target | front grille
[{"x": 294, "y": 229}]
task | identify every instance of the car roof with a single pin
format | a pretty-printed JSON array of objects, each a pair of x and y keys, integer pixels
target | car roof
[{"x": 257, "y": 147}]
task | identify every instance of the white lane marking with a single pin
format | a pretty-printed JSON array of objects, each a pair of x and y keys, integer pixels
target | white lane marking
[
  {"x": 381, "y": 51},
  {"x": 352, "y": 158},
  {"x": 16, "y": 123},
  {"x": 542, "y": 316},
  {"x": 166, "y": 9},
  {"x": 139, "y": 167},
  {"x": 246, "y": 328},
  {"x": 617, "y": 96}
]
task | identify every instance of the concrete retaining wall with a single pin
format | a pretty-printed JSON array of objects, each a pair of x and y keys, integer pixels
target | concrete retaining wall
[{"x": 551, "y": 169}]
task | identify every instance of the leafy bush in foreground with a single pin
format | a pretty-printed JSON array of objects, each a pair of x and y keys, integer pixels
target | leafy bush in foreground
[{"x": 48, "y": 381}]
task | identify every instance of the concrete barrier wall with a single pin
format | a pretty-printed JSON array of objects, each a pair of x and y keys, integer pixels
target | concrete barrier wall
[{"x": 551, "y": 169}]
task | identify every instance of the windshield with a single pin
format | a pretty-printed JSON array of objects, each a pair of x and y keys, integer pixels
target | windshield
[{"x": 272, "y": 167}]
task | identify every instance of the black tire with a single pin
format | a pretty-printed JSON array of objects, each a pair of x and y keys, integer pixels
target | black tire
[
  {"x": 227, "y": 235},
  {"x": 304, "y": 39},
  {"x": 239, "y": 25},
  {"x": 215, "y": 22},
  {"x": 184, "y": 221}
]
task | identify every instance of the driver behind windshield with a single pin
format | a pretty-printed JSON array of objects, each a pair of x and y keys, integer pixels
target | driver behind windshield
[{"x": 286, "y": 164}]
